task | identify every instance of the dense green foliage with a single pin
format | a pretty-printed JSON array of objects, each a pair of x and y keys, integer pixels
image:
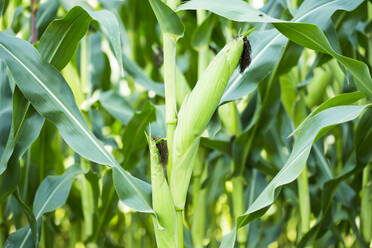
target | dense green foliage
[{"x": 136, "y": 123}]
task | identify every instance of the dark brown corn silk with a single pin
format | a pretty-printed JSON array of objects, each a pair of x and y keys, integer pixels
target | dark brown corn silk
[
  {"x": 162, "y": 146},
  {"x": 158, "y": 57},
  {"x": 245, "y": 58}
]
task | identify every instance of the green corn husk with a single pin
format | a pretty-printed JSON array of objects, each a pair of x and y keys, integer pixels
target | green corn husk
[
  {"x": 366, "y": 213},
  {"x": 165, "y": 226},
  {"x": 195, "y": 113}
]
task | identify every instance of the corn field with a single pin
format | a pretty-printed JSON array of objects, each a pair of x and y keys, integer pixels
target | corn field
[{"x": 185, "y": 124}]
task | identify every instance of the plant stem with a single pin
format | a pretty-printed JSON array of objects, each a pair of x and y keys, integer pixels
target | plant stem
[
  {"x": 203, "y": 58},
  {"x": 366, "y": 205},
  {"x": 26, "y": 177},
  {"x": 84, "y": 64},
  {"x": 169, "y": 48},
  {"x": 238, "y": 205},
  {"x": 180, "y": 228},
  {"x": 170, "y": 93},
  {"x": 34, "y": 10},
  {"x": 304, "y": 201},
  {"x": 87, "y": 201},
  {"x": 199, "y": 202},
  {"x": 369, "y": 8},
  {"x": 2, "y": 226}
]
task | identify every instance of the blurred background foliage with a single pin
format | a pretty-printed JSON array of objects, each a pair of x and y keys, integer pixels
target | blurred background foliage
[{"x": 284, "y": 86}]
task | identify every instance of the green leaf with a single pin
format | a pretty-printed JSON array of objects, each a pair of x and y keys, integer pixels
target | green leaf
[
  {"x": 169, "y": 21},
  {"x": 306, "y": 135},
  {"x": 26, "y": 126},
  {"x": 140, "y": 77},
  {"x": 108, "y": 207},
  {"x": 1, "y": 7},
  {"x": 366, "y": 212},
  {"x": 30, "y": 217},
  {"x": 9, "y": 179},
  {"x": 108, "y": 24},
  {"x": 203, "y": 33},
  {"x": 267, "y": 45},
  {"x": 5, "y": 108},
  {"x": 327, "y": 195},
  {"x": 235, "y": 10},
  {"x": 51, "y": 194},
  {"x": 117, "y": 106},
  {"x": 310, "y": 36},
  {"x": 223, "y": 146},
  {"x": 228, "y": 240},
  {"x": 49, "y": 93},
  {"x": 60, "y": 39},
  {"x": 342, "y": 99},
  {"x": 134, "y": 133},
  {"x": 46, "y": 13}
]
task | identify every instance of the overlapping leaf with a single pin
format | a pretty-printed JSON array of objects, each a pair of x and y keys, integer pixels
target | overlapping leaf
[
  {"x": 169, "y": 22},
  {"x": 60, "y": 39},
  {"x": 51, "y": 194},
  {"x": 306, "y": 135},
  {"x": 267, "y": 45},
  {"x": 107, "y": 20},
  {"x": 49, "y": 93}
]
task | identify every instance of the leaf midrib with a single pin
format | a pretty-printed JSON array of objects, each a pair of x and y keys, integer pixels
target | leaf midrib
[
  {"x": 112, "y": 163},
  {"x": 59, "y": 102}
]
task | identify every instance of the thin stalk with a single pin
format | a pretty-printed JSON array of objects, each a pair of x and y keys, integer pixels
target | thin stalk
[
  {"x": 42, "y": 163},
  {"x": 34, "y": 10},
  {"x": 203, "y": 58},
  {"x": 103, "y": 213},
  {"x": 86, "y": 189},
  {"x": 302, "y": 180},
  {"x": 231, "y": 120},
  {"x": 238, "y": 206},
  {"x": 171, "y": 106},
  {"x": 366, "y": 175},
  {"x": 84, "y": 64},
  {"x": 2, "y": 226},
  {"x": 169, "y": 44},
  {"x": 251, "y": 192},
  {"x": 86, "y": 201},
  {"x": 366, "y": 203},
  {"x": 199, "y": 195},
  {"x": 304, "y": 201},
  {"x": 26, "y": 178},
  {"x": 180, "y": 228},
  {"x": 199, "y": 203},
  {"x": 339, "y": 152},
  {"x": 73, "y": 235},
  {"x": 169, "y": 49},
  {"x": 369, "y": 7}
]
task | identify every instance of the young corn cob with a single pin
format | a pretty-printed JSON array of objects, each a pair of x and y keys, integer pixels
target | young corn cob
[
  {"x": 195, "y": 113},
  {"x": 165, "y": 226}
]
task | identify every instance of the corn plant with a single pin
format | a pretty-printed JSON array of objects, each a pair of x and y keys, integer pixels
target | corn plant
[{"x": 170, "y": 124}]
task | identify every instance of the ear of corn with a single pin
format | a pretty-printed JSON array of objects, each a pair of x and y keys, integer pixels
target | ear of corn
[
  {"x": 165, "y": 226},
  {"x": 195, "y": 113}
]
